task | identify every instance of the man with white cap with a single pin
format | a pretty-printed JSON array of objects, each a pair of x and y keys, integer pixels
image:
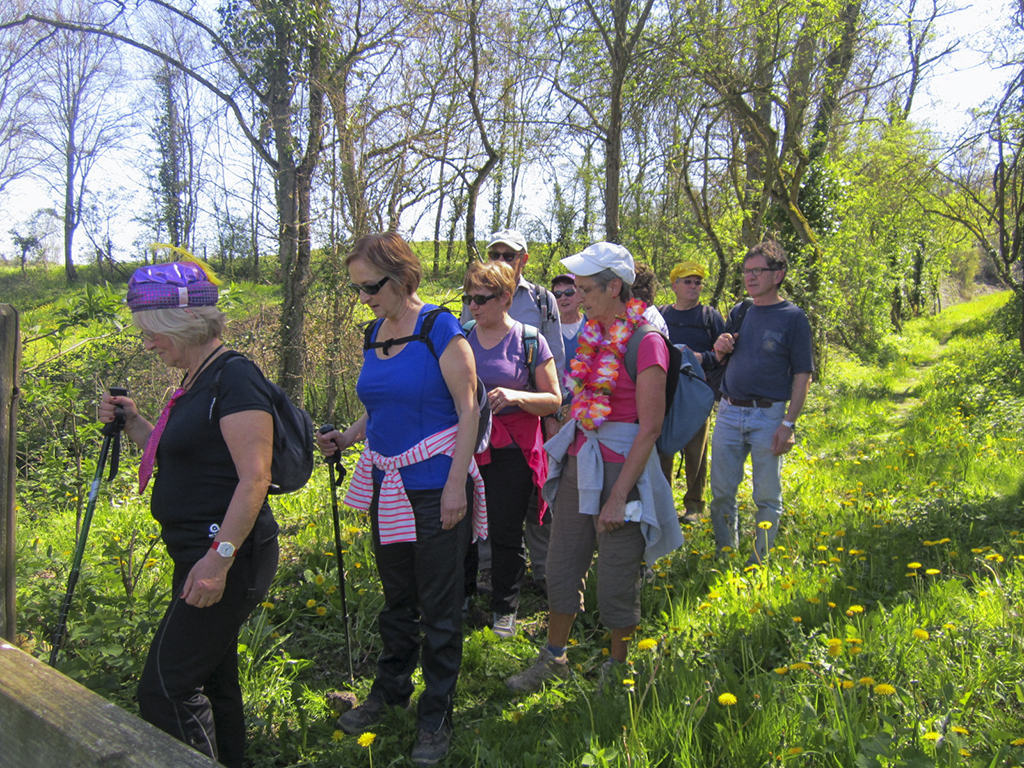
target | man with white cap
[
  {"x": 604, "y": 483},
  {"x": 697, "y": 326},
  {"x": 534, "y": 305}
]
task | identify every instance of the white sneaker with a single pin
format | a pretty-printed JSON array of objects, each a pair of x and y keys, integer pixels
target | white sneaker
[{"x": 504, "y": 624}]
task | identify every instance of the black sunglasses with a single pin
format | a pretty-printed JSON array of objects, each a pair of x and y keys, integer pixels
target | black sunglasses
[
  {"x": 566, "y": 292},
  {"x": 507, "y": 256},
  {"x": 369, "y": 290},
  {"x": 479, "y": 299}
]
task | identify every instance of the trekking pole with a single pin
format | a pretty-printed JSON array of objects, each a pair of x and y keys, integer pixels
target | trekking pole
[
  {"x": 111, "y": 437},
  {"x": 334, "y": 460}
]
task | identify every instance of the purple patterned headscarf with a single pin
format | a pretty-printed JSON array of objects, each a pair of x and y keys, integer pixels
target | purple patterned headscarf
[{"x": 177, "y": 284}]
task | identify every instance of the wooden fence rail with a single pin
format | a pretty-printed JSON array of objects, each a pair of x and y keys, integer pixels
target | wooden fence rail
[{"x": 10, "y": 356}]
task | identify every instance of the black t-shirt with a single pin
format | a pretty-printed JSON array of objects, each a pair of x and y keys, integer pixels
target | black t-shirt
[
  {"x": 697, "y": 327},
  {"x": 195, "y": 475}
]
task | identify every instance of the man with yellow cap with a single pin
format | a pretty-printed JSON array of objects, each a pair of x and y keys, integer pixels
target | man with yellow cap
[{"x": 697, "y": 326}]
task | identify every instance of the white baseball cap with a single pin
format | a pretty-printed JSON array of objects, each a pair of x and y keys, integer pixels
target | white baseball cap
[
  {"x": 599, "y": 257},
  {"x": 513, "y": 238}
]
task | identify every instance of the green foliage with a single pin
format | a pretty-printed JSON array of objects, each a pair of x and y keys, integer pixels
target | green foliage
[{"x": 883, "y": 631}]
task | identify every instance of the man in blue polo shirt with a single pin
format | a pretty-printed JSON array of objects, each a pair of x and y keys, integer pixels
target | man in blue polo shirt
[{"x": 770, "y": 362}]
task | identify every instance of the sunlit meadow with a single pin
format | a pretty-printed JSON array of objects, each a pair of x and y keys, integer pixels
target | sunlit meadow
[{"x": 883, "y": 631}]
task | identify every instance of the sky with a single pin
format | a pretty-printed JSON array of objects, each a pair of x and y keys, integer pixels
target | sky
[{"x": 960, "y": 83}]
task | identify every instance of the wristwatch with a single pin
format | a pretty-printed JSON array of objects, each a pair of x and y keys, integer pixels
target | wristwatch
[
  {"x": 790, "y": 424},
  {"x": 224, "y": 548}
]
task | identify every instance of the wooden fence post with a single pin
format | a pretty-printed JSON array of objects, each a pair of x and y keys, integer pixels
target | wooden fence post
[{"x": 10, "y": 358}]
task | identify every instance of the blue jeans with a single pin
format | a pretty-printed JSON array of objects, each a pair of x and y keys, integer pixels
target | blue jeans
[{"x": 740, "y": 432}]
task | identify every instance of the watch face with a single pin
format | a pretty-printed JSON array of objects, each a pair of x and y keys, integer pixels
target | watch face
[{"x": 225, "y": 549}]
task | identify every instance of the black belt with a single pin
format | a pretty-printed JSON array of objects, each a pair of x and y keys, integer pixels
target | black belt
[{"x": 752, "y": 403}]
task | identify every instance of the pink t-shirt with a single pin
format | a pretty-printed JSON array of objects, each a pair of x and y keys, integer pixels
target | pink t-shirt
[{"x": 652, "y": 351}]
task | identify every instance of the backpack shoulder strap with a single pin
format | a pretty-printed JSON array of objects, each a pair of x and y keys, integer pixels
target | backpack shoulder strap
[
  {"x": 633, "y": 347},
  {"x": 531, "y": 348},
  {"x": 424, "y": 334},
  {"x": 228, "y": 356}
]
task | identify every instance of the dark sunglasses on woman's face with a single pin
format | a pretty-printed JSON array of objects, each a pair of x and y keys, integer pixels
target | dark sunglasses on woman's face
[
  {"x": 566, "y": 292},
  {"x": 369, "y": 290},
  {"x": 479, "y": 299}
]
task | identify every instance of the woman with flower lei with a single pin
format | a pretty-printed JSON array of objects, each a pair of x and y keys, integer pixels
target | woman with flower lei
[{"x": 605, "y": 483}]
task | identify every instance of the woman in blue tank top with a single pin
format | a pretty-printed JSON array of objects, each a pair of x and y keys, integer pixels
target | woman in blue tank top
[{"x": 417, "y": 479}]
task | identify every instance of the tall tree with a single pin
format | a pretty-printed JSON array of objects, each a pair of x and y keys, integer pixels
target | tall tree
[{"x": 79, "y": 83}]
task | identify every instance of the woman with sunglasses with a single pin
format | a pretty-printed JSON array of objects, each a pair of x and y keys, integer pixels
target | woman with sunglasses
[
  {"x": 414, "y": 477},
  {"x": 604, "y": 483},
  {"x": 514, "y": 464}
]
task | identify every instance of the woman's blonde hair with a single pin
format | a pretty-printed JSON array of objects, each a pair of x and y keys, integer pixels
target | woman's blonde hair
[
  {"x": 494, "y": 276},
  {"x": 184, "y": 326}
]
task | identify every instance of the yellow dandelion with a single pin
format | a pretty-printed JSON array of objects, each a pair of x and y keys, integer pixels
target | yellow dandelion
[
  {"x": 867, "y": 682},
  {"x": 933, "y": 572},
  {"x": 797, "y": 619},
  {"x": 932, "y": 736},
  {"x": 726, "y": 699},
  {"x": 835, "y": 650},
  {"x": 884, "y": 689},
  {"x": 965, "y": 752},
  {"x": 913, "y": 566},
  {"x": 793, "y": 751},
  {"x": 813, "y": 600},
  {"x": 647, "y": 644},
  {"x": 310, "y": 603},
  {"x": 831, "y": 604},
  {"x": 856, "y": 609},
  {"x": 604, "y": 651},
  {"x": 847, "y": 684},
  {"x": 267, "y": 605},
  {"x": 800, "y": 665},
  {"x": 764, "y": 525},
  {"x": 920, "y": 634},
  {"x": 781, "y": 670},
  {"x": 337, "y": 736},
  {"x": 319, "y": 578},
  {"x": 321, "y": 611},
  {"x": 366, "y": 739},
  {"x": 994, "y": 557},
  {"x": 960, "y": 729},
  {"x": 1017, "y": 742}
]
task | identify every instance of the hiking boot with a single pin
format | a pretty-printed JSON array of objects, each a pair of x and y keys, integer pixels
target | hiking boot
[
  {"x": 483, "y": 582},
  {"x": 545, "y": 667},
  {"x": 366, "y": 715},
  {"x": 504, "y": 624},
  {"x": 430, "y": 748}
]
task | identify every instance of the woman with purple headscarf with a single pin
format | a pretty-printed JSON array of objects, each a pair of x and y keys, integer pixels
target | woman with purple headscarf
[{"x": 212, "y": 446}]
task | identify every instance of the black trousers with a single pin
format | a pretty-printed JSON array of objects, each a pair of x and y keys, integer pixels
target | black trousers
[
  {"x": 422, "y": 582},
  {"x": 509, "y": 483},
  {"x": 189, "y": 686}
]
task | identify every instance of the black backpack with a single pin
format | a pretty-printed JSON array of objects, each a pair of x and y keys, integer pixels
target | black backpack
[
  {"x": 292, "y": 463},
  {"x": 716, "y": 375},
  {"x": 483, "y": 432}
]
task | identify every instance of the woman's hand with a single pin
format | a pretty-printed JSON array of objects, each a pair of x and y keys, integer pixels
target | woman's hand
[
  {"x": 336, "y": 440},
  {"x": 613, "y": 515},
  {"x": 204, "y": 585},
  {"x": 453, "y": 504},
  {"x": 109, "y": 404},
  {"x": 502, "y": 397}
]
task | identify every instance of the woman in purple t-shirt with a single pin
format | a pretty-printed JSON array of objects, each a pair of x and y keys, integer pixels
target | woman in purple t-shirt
[{"x": 514, "y": 464}]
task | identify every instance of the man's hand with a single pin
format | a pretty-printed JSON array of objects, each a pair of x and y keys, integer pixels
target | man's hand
[
  {"x": 783, "y": 440},
  {"x": 724, "y": 345}
]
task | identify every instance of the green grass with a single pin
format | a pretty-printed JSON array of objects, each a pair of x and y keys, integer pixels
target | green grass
[{"x": 884, "y": 631}]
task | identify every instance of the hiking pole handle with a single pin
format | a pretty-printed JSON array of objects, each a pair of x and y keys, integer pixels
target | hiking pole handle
[{"x": 334, "y": 458}]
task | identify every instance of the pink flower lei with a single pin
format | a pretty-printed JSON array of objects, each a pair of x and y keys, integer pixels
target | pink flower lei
[{"x": 595, "y": 369}]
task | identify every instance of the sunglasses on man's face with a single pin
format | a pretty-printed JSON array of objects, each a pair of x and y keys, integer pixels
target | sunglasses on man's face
[
  {"x": 688, "y": 281},
  {"x": 566, "y": 292},
  {"x": 478, "y": 299},
  {"x": 370, "y": 290},
  {"x": 507, "y": 256}
]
